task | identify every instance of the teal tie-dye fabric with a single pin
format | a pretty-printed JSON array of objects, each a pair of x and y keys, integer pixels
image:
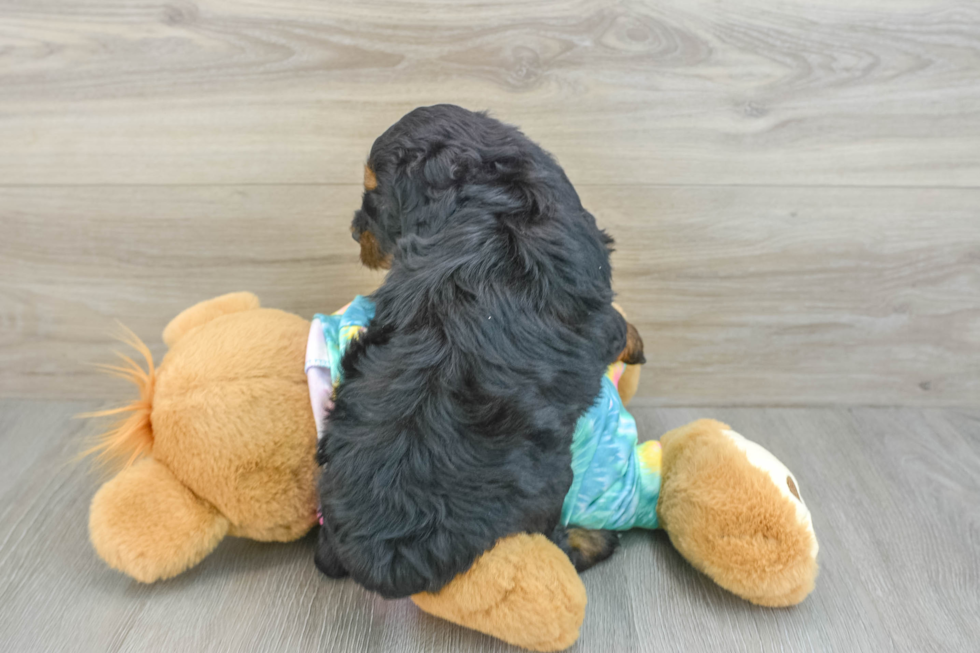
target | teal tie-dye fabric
[
  {"x": 341, "y": 328},
  {"x": 615, "y": 483}
]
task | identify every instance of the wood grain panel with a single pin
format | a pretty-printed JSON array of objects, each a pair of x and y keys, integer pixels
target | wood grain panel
[
  {"x": 892, "y": 493},
  {"x": 782, "y": 296},
  {"x": 743, "y": 295},
  {"x": 73, "y": 261},
  {"x": 673, "y": 92}
]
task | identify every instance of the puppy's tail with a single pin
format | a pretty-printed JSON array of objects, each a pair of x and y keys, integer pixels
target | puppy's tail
[
  {"x": 632, "y": 354},
  {"x": 131, "y": 437}
]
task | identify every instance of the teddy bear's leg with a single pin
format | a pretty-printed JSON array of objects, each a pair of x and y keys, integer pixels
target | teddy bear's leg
[
  {"x": 628, "y": 383},
  {"x": 524, "y": 591},
  {"x": 147, "y": 524},
  {"x": 206, "y": 311},
  {"x": 735, "y": 513}
]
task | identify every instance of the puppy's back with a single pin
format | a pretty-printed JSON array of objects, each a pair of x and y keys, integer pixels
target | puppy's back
[{"x": 492, "y": 331}]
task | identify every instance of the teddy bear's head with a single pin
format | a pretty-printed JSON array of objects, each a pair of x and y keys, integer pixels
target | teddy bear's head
[{"x": 223, "y": 439}]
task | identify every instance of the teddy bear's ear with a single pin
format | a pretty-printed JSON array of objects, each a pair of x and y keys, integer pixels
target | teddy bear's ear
[
  {"x": 148, "y": 525},
  {"x": 206, "y": 311}
]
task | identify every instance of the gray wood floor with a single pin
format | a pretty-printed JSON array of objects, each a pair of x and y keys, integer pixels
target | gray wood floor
[{"x": 895, "y": 497}]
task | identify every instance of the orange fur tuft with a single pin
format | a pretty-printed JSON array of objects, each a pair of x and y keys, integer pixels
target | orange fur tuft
[{"x": 131, "y": 438}]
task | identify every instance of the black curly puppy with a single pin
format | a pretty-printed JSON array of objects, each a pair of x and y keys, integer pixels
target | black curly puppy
[{"x": 493, "y": 328}]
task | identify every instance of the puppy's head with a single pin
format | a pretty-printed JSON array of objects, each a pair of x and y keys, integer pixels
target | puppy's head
[{"x": 434, "y": 160}]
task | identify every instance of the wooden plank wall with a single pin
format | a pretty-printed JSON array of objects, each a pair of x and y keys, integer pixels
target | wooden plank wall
[{"x": 794, "y": 186}]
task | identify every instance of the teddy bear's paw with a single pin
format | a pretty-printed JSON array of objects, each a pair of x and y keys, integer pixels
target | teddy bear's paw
[
  {"x": 782, "y": 479},
  {"x": 737, "y": 514}
]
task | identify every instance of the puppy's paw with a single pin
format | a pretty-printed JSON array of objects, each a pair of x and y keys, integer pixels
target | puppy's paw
[
  {"x": 326, "y": 559},
  {"x": 585, "y": 548}
]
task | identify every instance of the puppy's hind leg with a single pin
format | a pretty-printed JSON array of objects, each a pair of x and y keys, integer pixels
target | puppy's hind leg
[{"x": 584, "y": 547}]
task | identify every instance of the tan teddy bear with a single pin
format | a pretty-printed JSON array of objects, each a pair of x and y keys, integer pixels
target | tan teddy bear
[{"x": 222, "y": 439}]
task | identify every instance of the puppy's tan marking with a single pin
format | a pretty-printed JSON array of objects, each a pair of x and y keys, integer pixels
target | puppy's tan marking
[
  {"x": 589, "y": 543},
  {"x": 633, "y": 353},
  {"x": 370, "y": 181},
  {"x": 371, "y": 254}
]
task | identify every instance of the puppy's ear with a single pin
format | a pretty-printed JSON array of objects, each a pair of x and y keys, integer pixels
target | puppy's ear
[
  {"x": 428, "y": 191},
  {"x": 445, "y": 168},
  {"x": 412, "y": 208}
]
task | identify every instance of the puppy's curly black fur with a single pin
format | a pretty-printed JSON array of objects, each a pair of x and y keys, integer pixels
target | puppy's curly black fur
[{"x": 493, "y": 329}]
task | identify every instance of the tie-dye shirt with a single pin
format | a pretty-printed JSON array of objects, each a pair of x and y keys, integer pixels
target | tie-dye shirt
[
  {"x": 338, "y": 330},
  {"x": 329, "y": 337},
  {"x": 615, "y": 482}
]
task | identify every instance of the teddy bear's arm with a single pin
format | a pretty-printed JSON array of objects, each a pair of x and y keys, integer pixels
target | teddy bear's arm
[{"x": 149, "y": 525}]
